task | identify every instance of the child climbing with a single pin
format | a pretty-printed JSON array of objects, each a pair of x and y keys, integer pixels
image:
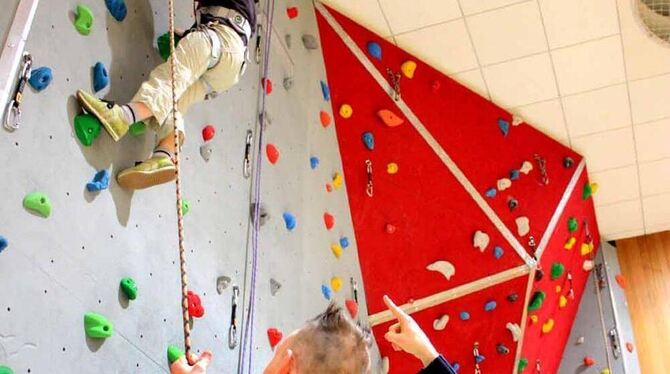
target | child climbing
[{"x": 210, "y": 58}]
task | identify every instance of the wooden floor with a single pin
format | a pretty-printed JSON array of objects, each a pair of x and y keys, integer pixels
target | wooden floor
[{"x": 645, "y": 265}]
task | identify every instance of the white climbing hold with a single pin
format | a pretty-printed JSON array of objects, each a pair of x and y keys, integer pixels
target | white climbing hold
[
  {"x": 481, "y": 240},
  {"x": 385, "y": 365},
  {"x": 444, "y": 267},
  {"x": 588, "y": 265},
  {"x": 274, "y": 286},
  {"x": 515, "y": 330},
  {"x": 517, "y": 120},
  {"x": 526, "y": 167},
  {"x": 503, "y": 184},
  {"x": 440, "y": 323},
  {"x": 522, "y": 225},
  {"x": 206, "y": 151},
  {"x": 580, "y": 340}
]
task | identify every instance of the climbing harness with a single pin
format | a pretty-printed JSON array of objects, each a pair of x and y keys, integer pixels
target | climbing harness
[
  {"x": 247, "y": 154},
  {"x": 232, "y": 331},
  {"x": 477, "y": 356},
  {"x": 354, "y": 289},
  {"x": 229, "y": 17},
  {"x": 368, "y": 168},
  {"x": 542, "y": 165},
  {"x": 394, "y": 80},
  {"x": 13, "y": 111}
]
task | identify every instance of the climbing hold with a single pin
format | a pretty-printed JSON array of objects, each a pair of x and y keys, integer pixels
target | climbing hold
[
  {"x": 272, "y": 153},
  {"x": 479, "y": 359},
  {"x": 517, "y": 120},
  {"x": 538, "y": 275},
  {"x": 523, "y": 362},
  {"x": 548, "y": 326},
  {"x": 137, "y": 128},
  {"x": 502, "y": 349},
  {"x": 288, "y": 40},
  {"x": 185, "y": 207},
  {"x": 208, "y": 133},
  {"x": 129, "y": 288},
  {"x": 503, "y": 184},
  {"x": 274, "y": 337},
  {"x": 536, "y": 301},
  {"x": 195, "y": 307},
  {"x": 515, "y": 330},
  {"x": 346, "y": 111},
  {"x": 267, "y": 84},
  {"x": 572, "y": 224},
  {"x": 491, "y": 192},
  {"x": 100, "y": 76},
  {"x": 522, "y": 225},
  {"x": 369, "y": 140},
  {"x": 503, "y": 125},
  {"x": 440, "y": 323},
  {"x": 480, "y": 240},
  {"x": 100, "y": 181},
  {"x": 97, "y": 326},
  {"x": 310, "y": 42},
  {"x": 435, "y": 86},
  {"x": 325, "y": 90},
  {"x": 526, "y": 167},
  {"x": 117, "y": 8},
  {"x": 514, "y": 174},
  {"x": 274, "y": 286},
  {"x": 456, "y": 366},
  {"x": 40, "y": 78},
  {"x": 557, "y": 269},
  {"x": 629, "y": 347},
  {"x": 206, "y": 151},
  {"x": 336, "y": 283},
  {"x": 5, "y": 370},
  {"x": 328, "y": 220},
  {"x": 336, "y": 249},
  {"x": 87, "y": 128},
  {"x": 586, "y": 248},
  {"x": 174, "y": 354},
  {"x": 558, "y": 288},
  {"x": 325, "y": 291},
  {"x": 352, "y": 307},
  {"x": 586, "y": 191},
  {"x": 570, "y": 243},
  {"x": 163, "y": 43},
  {"x": 3, "y": 243},
  {"x": 290, "y": 221},
  {"x": 513, "y": 297},
  {"x": 375, "y": 50},
  {"x": 389, "y": 118},
  {"x": 385, "y": 365},
  {"x": 464, "y": 316},
  {"x": 580, "y": 340},
  {"x": 562, "y": 302},
  {"x": 292, "y": 12},
  {"x": 324, "y": 117},
  {"x": 408, "y": 68},
  {"x": 568, "y": 162},
  {"x": 338, "y": 179},
  {"x": 498, "y": 252},
  {"x": 392, "y": 168},
  {"x": 605, "y": 371},
  {"x": 533, "y": 319},
  {"x": 490, "y": 305},
  {"x": 262, "y": 213},
  {"x": 443, "y": 267},
  {"x": 589, "y": 361},
  {"x": 37, "y": 203},
  {"x": 83, "y": 19},
  {"x": 512, "y": 203},
  {"x": 344, "y": 242},
  {"x": 620, "y": 280},
  {"x": 594, "y": 188},
  {"x": 588, "y": 265},
  {"x": 313, "y": 162},
  {"x": 390, "y": 228},
  {"x": 329, "y": 187},
  {"x": 222, "y": 282}
]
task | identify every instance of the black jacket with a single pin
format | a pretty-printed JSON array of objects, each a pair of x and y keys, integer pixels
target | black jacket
[
  {"x": 246, "y": 7},
  {"x": 438, "y": 366}
]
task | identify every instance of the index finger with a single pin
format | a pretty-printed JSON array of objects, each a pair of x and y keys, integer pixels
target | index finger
[{"x": 397, "y": 312}]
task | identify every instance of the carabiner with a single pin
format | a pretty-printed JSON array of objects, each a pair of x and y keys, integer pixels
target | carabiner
[
  {"x": 368, "y": 168},
  {"x": 13, "y": 110},
  {"x": 232, "y": 331}
]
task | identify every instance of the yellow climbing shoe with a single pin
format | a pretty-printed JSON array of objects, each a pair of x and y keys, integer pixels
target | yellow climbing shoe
[
  {"x": 154, "y": 171},
  {"x": 109, "y": 114}
]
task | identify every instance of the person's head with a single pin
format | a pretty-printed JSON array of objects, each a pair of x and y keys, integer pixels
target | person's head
[{"x": 331, "y": 343}]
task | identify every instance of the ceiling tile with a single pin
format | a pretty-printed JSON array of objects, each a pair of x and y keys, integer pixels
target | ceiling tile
[
  {"x": 507, "y": 33},
  {"x": 619, "y": 218},
  {"x": 653, "y": 140},
  {"x": 473, "y": 80},
  {"x": 616, "y": 185},
  {"x": 365, "y": 12},
  {"x": 546, "y": 116},
  {"x": 519, "y": 82},
  {"x": 597, "y": 111},
  {"x": 477, "y": 6},
  {"x": 450, "y": 53},
  {"x": 574, "y": 21},
  {"x": 404, "y": 17},
  {"x": 607, "y": 150},
  {"x": 650, "y": 98},
  {"x": 657, "y": 213},
  {"x": 655, "y": 177}
]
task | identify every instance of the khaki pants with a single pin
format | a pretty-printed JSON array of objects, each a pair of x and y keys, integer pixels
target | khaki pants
[{"x": 193, "y": 80}]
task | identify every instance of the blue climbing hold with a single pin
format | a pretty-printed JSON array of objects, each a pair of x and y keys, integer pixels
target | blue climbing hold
[
  {"x": 464, "y": 316},
  {"x": 117, "y": 8},
  {"x": 456, "y": 366},
  {"x": 325, "y": 291},
  {"x": 503, "y": 124},
  {"x": 313, "y": 162},
  {"x": 498, "y": 252},
  {"x": 490, "y": 305},
  {"x": 375, "y": 50},
  {"x": 40, "y": 78},
  {"x": 344, "y": 242},
  {"x": 100, "y": 181},
  {"x": 479, "y": 359},
  {"x": 290, "y": 221},
  {"x": 325, "y": 90},
  {"x": 3, "y": 243},
  {"x": 369, "y": 140},
  {"x": 491, "y": 192},
  {"x": 100, "y": 76},
  {"x": 514, "y": 174}
]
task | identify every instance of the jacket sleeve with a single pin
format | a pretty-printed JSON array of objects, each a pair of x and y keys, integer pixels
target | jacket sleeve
[{"x": 438, "y": 366}]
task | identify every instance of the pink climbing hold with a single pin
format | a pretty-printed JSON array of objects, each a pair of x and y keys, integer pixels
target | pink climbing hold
[
  {"x": 329, "y": 188},
  {"x": 325, "y": 119},
  {"x": 629, "y": 347},
  {"x": 352, "y": 307},
  {"x": 292, "y": 12},
  {"x": 272, "y": 152},
  {"x": 208, "y": 132},
  {"x": 390, "y": 228},
  {"x": 621, "y": 281},
  {"x": 267, "y": 83},
  {"x": 328, "y": 220},
  {"x": 274, "y": 337},
  {"x": 389, "y": 118}
]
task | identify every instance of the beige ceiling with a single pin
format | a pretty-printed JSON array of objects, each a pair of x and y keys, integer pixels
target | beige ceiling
[{"x": 583, "y": 71}]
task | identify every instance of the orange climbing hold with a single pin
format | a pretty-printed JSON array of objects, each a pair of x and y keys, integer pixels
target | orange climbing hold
[
  {"x": 346, "y": 111},
  {"x": 272, "y": 152},
  {"x": 408, "y": 68},
  {"x": 389, "y": 118},
  {"x": 589, "y": 361},
  {"x": 621, "y": 281},
  {"x": 533, "y": 319},
  {"x": 562, "y": 302},
  {"x": 352, "y": 307},
  {"x": 325, "y": 119},
  {"x": 274, "y": 337},
  {"x": 329, "y": 188},
  {"x": 328, "y": 220}
]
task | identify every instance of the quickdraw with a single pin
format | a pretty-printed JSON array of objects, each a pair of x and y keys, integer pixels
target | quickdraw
[
  {"x": 257, "y": 56},
  {"x": 538, "y": 366},
  {"x": 354, "y": 289},
  {"x": 478, "y": 358},
  {"x": 542, "y": 165},
  {"x": 394, "y": 79},
  {"x": 368, "y": 167},
  {"x": 232, "y": 331},
  {"x": 247, "y": 154},
  {"x": 13, "y": 111}
]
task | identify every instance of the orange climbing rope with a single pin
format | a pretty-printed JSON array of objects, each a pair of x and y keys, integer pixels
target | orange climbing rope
[{"x": 180, "y": 215}]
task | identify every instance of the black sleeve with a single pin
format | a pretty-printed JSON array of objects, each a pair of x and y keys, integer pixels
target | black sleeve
[{"x": 438, "y": 366}]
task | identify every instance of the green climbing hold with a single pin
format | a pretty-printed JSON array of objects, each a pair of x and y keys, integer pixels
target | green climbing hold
[
  {"x": 163, "y": 43},
  {"x": 137, "y": 128},
  {"x": 536, "y": 301},
  {"x": 523, "y": 362},
  {"x": 587, "y": 191},
  {"x": 572, "y": 224},
  {"x": 557, "y": 269},
  {"x": 5, "y": 370},
  {"x": 174, "y": 354},
  {"x": 87, "y": 128},
  {"x": 185, "y": 207},
  {"x": 83, "y": 19},
  {"x": 38, "y": 203},
  {"x": 129, "y": 288},
  {"x": 97, "y": 326}
]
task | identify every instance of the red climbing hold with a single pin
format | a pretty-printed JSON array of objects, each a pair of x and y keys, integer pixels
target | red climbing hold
[
  {"x": 329, "y": 220},
  {"x": 195, "y": 308},
  {"x": 329, "y": 188},
  {"x": 352, "y": 307},
  {"x": 389, "y": 118},
  {"x": 292, "y": 12},
  {"x": 435, "y": 86},
  {"x": 272, "y": 152},
  {"x": 325, "y": 119},
  {"x": 589, "y": 361},
  {"x": 208, "y": 132},
  {"x": 267, "y": 83},
  {"x": 621, "y": 281},
  {"x": 274, "y": 336},
  {"x": 390, "y": 228}
]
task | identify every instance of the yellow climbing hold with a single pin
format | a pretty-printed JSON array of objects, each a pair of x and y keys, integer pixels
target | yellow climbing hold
[
  {"x": 338, "y": 179},
  {"x": 408, "y": 68},
  {"x": 548, "y": 326},
  {"x": 337, "y": 250},
  {"x": 594, "y": 188},
  {"x": 346, "y": 111},
  {"x": 558, "y": 289},
  {"x": 570, "y": 243},
  {"x": 392, "y": 168},
  {"x": 605, "y": 371},
  {"x": 586, "y": 248},
  {"x": 533, "y": 319},
  {"x": 562, "y": 302},
  {"x": 336, "y": 283}
]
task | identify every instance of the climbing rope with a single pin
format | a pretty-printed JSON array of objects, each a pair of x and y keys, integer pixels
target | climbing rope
[{"x": 180, "y": 215}]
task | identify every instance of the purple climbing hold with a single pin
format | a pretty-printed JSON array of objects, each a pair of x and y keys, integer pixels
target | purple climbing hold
[
  {"x": 344, "y": 242},
  {"x": 456, "y": 366},
  {"x": 491, "y": 192},
  {"x": 290, "y": 221},
  {"x": 325, "y": 291},
  {"x": 498, "y": 252},
  {"x": 503, "y": 125},
  {"x": 313, "y": 162},
  {"x": 100, "y": 76},
  {"x": 375, "y": 50},
  {"x": 514, "y": 174},
  {"x": 490, "y": 305},
  {"x": 464, "y": 316},
  {"x": 325, "y": 90},
  {"x": 369, "y": 140},
  {"x": 3, "y": 243},
  {"x": 479, "y": 359},
  {"x": 100, "y": 181}
]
